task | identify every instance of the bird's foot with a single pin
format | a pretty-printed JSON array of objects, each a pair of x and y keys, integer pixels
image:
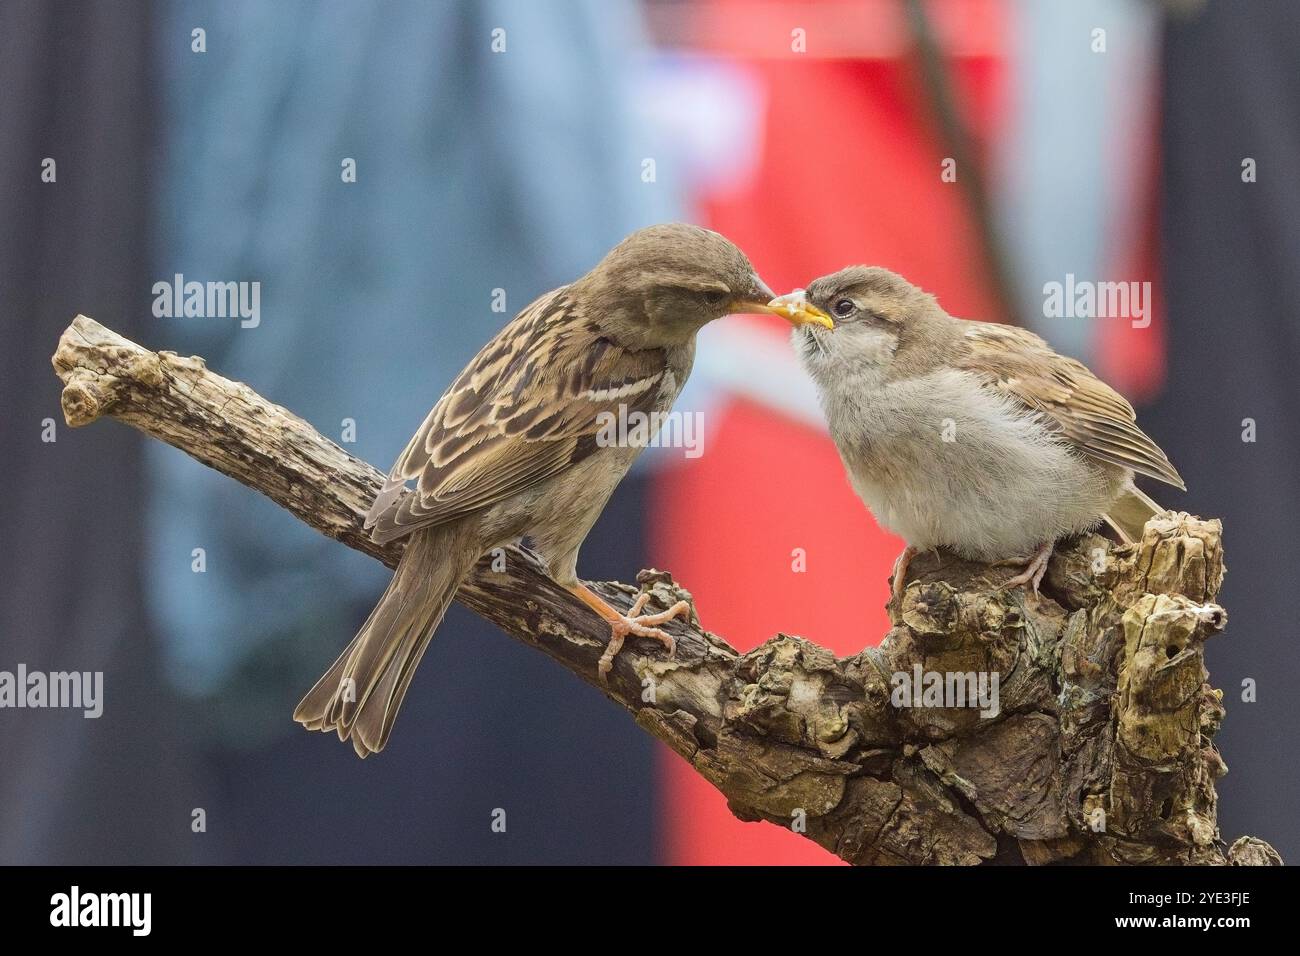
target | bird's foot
[
  {"x": 1034, "y": 570},
  {"x": 632, "y": 624},
  {"x": 636, "y": 624},
  {"x": 899, "y": 579}
]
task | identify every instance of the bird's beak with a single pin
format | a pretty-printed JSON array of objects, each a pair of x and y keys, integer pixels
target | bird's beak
[{"x": 796, "y": 308}]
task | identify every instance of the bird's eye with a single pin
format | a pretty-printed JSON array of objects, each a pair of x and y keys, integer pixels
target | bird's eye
[
  {"x": 715, "y": 297},
  {"x": 844, "y": 308}
]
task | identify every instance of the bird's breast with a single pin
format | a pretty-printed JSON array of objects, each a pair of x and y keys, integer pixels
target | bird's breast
[{"x": 943, "y": 461}]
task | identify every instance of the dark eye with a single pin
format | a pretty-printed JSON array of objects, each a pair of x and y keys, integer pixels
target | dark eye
[
  {"x": 715, "y": 297},
  {"x": 843, "y": 308}
]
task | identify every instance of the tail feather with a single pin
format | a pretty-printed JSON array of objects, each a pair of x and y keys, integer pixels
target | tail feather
[
  {"x": 361, "y": 693},
  {"x": 1129, "y": 514}
]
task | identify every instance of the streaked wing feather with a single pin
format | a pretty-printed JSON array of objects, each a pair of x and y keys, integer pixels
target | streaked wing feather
[
  {"x": 1088, "y": 413},
  {"x": 526, "y": 408}
]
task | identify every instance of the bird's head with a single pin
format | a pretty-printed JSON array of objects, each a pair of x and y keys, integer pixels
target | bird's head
[
  {"x": 873, "y": 309},
  {"x": 661, "y": 284}
]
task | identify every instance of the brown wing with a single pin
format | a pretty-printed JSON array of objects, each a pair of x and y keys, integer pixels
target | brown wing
[
  {"x": 524, "y": 409},
  {"x": 1087, "y": 411}
]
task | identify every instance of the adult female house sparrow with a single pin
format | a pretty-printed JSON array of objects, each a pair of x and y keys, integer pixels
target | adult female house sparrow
[
  {"x": 969, "y": 435},
  {"x": 511, "y": 449}
]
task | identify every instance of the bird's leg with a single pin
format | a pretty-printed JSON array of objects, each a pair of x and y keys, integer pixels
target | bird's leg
[
  {"x": 901, "y": 564},
  {"x": 633, "y": 623},
  {"x": 1034, "y": 570}
]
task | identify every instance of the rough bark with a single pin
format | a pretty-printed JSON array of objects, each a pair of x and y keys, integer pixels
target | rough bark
[{"x": 1101, "y": 749}]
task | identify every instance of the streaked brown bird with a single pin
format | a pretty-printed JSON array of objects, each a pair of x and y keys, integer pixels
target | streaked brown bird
[
  {"x": 969, "y": 435},
  {"x": 511, "y": 449}
]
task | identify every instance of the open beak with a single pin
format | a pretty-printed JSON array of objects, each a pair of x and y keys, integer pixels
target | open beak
[{"x": 794, "y": 308}]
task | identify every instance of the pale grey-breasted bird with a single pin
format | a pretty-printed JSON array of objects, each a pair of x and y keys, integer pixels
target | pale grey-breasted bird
[
  {"x": 513, "y": 448},
  {"x": 968, "y": 435}
]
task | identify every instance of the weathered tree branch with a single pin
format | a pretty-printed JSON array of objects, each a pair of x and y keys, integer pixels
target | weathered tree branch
[{"x": 1100, "y": 752}]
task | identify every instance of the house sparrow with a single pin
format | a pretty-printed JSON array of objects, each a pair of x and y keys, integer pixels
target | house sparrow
[
  {"x": 969, "y": 435},
  {"x": 511, "y": 449}
]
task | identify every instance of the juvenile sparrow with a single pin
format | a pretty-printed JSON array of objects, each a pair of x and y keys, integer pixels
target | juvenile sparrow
[
  {"x": 511, "y": 449},
  {"x": 969, "y": 435}
]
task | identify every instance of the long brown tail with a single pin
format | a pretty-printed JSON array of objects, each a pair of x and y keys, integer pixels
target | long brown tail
[
  {"x": 1128, "y": 516},
  {"x": 360, "y": 695}
]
